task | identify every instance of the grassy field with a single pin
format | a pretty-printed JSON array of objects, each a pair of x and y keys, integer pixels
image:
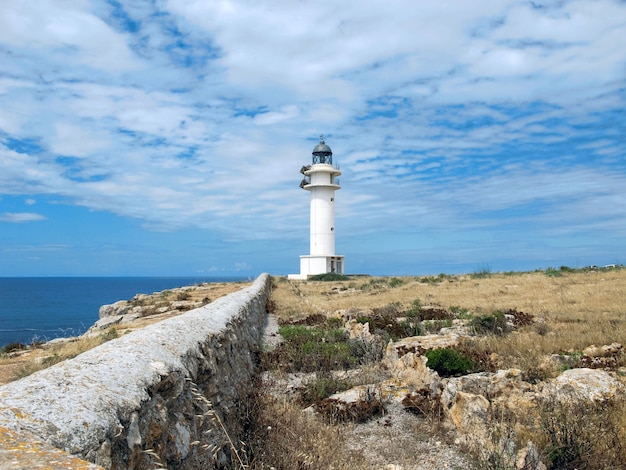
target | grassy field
[
  {"x": 572, "y": 309},
  {"x": 565, "y": 311}
]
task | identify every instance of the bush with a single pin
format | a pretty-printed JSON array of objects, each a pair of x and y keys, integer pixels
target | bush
[
  {"x": 183, "y": 295},
  {"x": 385, "y": 319},
  {"x": 415, "y": 309},
  {"x": 482, "y": 272},
  {"x": 317, "y": 389},
  {"x": 329, "y": 277},
  {"x": 395, "y": 282},
  {"x": 448, "y": 362},
  {"x": 582, "y": 434},
  {"x": 12, "y": 347},
  {"x": 551, "y": 272},
  {"x": 494, "y": 323}
]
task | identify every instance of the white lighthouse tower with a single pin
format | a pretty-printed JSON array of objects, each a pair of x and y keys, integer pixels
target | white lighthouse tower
[{"x": 320, "y": 178}]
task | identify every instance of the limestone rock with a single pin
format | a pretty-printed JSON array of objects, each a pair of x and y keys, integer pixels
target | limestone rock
[
  {"x": 469, "y": 413},
  {"x": 357, "y": 404},
  {"x": 358, "y": 330},
  {"x": 587, "y": 384},
  {"x": 491, "y": 385},
  {"x": 411, "y": 370},
  {"x": 419, "y": 344},
  {"x": 118, "y": 308},
  {"x": 609, "y": 350}
]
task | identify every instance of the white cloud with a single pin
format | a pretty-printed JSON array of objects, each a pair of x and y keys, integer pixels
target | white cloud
[
  {"x": 65, "y": 28},
  {"x": 21, "y": 217}
]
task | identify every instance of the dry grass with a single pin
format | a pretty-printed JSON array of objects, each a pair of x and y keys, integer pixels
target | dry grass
[
  {"x": 284, "y": 437},
  {"x": 573, "y": 310},
  {"x": 34, "y": 360}
]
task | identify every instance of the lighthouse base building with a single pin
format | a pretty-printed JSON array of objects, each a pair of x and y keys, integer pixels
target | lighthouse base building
[{"x": 320, "y": 179}]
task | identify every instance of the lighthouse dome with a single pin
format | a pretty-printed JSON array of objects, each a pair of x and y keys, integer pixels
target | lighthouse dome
[{"x": 322, "y": 148}]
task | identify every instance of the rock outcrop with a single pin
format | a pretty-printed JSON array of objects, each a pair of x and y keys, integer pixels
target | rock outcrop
[{"x": 473, "y": 404}]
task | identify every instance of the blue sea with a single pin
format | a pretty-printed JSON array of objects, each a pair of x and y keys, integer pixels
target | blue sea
[{"x": 44, "y": 308}]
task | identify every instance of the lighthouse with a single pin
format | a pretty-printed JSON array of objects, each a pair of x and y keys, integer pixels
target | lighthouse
[{"x": 320, "y": 179}]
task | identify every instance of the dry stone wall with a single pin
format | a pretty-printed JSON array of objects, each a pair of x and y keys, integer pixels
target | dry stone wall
[{"x": 166, "y": 395}]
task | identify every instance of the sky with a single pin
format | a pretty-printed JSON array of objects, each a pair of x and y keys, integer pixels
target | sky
[{"x": 165, "y": 137}]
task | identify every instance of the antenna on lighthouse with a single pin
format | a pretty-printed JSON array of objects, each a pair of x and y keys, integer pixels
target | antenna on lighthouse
[{"x": 320, "y": 179}]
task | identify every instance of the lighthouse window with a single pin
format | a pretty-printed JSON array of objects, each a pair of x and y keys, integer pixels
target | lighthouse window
[
  {"x": 332, "y": 199},
  {"x": 332, "y": 229}
]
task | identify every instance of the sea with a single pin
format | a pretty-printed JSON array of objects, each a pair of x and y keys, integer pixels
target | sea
[{"x": 34, "y": 309}]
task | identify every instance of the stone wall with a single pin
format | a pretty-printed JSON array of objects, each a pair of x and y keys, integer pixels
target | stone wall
[{"x": 166, "y": 395}]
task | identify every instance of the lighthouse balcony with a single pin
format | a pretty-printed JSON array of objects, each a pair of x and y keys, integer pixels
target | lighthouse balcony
[
  {"x": 307, "y": 184},
  {"x": 320, "y": 168}
]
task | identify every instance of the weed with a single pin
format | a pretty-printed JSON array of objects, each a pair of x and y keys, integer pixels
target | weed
[
  {"x": 415, "y": 309},
  {"x": 311, "y": 349},
  {"x": 583, "y": 434},
  {"x": 317, "y": 389},
  {"x": 329, "y": 277},
  {"x": 183, "y": 295},
  {"x": 109, "y": 334},
  {"x": 12, "y": 347},
  {"x": 542, "y": 328},
  {"x": 395, "y": 282},
  {"x": 461, "y": 313},
  {"x": 434, "y": 326},
  {"x": 335, "y": 322},
  {"x": 551, "y": 272},
  {"x": 435, "y": 279},
  {"x": 481, "y": 272},
  {"x": 375, "y": 283},
  {"x": 494, "y": 323},
  {"x": 279, "y": 435}
]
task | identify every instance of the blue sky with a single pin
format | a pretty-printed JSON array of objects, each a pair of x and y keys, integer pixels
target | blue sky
[{"x": 165, "y": 137}]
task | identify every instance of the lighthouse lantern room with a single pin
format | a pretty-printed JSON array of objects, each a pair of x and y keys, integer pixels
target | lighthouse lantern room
[{"x": 320, "y": 179}]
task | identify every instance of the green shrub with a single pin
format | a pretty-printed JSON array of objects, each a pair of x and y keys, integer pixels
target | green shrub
[
  {"x": 448, "y": 362},
  {"x": 395, "y": 282}
]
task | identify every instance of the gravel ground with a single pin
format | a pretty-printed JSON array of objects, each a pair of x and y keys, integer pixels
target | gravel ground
[{"x": 402, "y": 440}]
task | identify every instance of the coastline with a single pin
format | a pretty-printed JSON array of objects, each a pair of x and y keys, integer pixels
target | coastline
[{"x": 41, "y": 309}]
